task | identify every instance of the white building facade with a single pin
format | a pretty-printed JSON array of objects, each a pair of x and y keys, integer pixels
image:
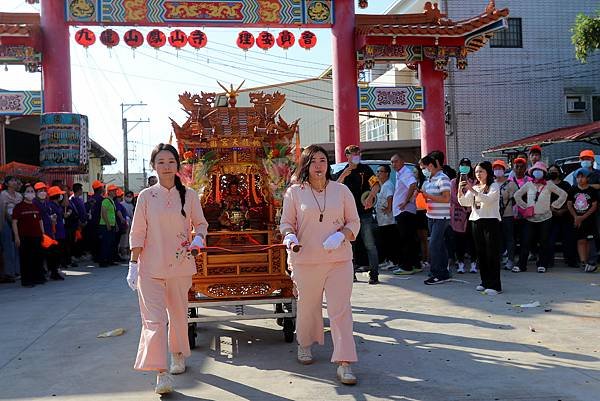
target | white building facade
[{"x": 525, "y": 81}]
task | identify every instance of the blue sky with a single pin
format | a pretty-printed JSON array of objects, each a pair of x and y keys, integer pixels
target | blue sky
[{"x": 102, "y": 79}]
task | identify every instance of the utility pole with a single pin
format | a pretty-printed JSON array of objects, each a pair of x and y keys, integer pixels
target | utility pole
[{"x": 125, "y": 107}]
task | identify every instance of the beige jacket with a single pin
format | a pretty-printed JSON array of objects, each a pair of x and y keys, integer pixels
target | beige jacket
[{"x": 542, "y": 205}]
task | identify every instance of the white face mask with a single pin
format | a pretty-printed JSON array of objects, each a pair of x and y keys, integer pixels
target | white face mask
[
  {"x": 499, "y": 173},
  {"x": 42, "y": 195},
  {"x": 29, "y": 196},
  {"x": 355, "y": 159}
]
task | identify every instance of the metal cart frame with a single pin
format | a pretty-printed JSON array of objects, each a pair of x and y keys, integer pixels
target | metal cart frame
[{"x": 284, "y": 312}]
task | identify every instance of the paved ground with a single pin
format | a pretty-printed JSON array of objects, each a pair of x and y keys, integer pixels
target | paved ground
[{"x": 415, "y": 342}]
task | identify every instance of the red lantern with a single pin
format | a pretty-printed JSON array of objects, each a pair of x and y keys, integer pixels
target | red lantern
[
  {"x": 109, "y": 38},
  {"x": 85, "y": 37},
  {"x": 197, "y": 39},
  {"x": 307, "y": 40},
  {"x": 156, "y": 38},
  {"x": 133, "y": 38},
  {"x": 178, "y": 38},
  {"x": 265, "y": 40},
  {"x": 286, "y": 39},
  {"x": 245, "y": 40}
]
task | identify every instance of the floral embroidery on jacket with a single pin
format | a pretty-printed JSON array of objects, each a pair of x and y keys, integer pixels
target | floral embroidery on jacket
[{"x": 182, "y": 251}]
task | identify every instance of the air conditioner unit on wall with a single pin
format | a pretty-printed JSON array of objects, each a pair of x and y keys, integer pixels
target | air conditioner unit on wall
[{"x": 576, "y": 105}]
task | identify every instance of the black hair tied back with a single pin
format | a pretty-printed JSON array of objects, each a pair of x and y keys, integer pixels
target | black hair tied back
[{"x": 178, "y": 184}]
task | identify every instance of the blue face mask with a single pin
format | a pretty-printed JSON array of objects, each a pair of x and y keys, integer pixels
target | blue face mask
[
  {"x": 464, "y": 169},
  {"x": 426, "y": 173},
  {"x": 586, "y": 163},
  {"x": 538, "y": 174}
]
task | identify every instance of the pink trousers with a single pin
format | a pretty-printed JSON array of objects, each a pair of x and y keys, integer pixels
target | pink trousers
[
  {"x": 162, "y": 301},
  {"x": 335, "y": 279}
]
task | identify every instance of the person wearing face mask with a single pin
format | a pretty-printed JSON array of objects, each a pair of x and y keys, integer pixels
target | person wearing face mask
[
  {"x": 562, "y": 225},
  {"x": 538, "y": 213},
  {"x": 9, "y": 198},
  {"x": 461, "y": 236},
  {"x": 57, "y": 231},
  {"x": 78, "y": 207},
  {"x": 436, "y": 191},
  {"x": 507, "y": 189},
  {"x": 107, "y": 228},
  {"x": 28, "y": 229},
  {"x": 361, "y": 180},
  {"x": 587, "y": 159}
]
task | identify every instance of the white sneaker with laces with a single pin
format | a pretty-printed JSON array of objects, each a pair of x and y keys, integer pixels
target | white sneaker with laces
[
  {"x": 461, "y": 268},
  {"x": 345, "y": 375},
  {"x": 305, "y": 355},
  {"x": 541, "y": 269},
  {"x": 480, "y": 288},
  {"x": 590, "y": 268},
  {"x": 473, "y": 268},
  {"x": 164, "y": 383},
  {"x": 491, "y": 291},
  {"x": 177, "y": 364}
]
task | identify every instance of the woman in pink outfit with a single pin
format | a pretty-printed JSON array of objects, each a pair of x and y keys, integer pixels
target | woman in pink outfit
[
  {"x": 320, "y": 215},
  {"x": 161, "y": 266}
]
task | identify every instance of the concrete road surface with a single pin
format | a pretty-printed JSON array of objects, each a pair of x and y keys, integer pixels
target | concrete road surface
[{"x": 415, "y": 342}]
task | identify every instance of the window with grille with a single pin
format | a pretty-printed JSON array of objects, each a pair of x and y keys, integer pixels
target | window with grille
[{"x": 512, "y": 36}]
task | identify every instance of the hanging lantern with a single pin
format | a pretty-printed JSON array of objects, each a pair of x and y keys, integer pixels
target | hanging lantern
[
  {"x": 133, "y": 38},
  {"x": 307, "y": 40},
  {"x": 197, "y": 39},
  {"x": 156, "y": 38},
  {"x": 178, "y": 38},
  {"x": 245, "y": 40},
  {"x": 109, "y": 38},
  {"x": 85, "y": 37},
  {"x": 265, "y": 40},
  {"x": 285, "y": 39}
]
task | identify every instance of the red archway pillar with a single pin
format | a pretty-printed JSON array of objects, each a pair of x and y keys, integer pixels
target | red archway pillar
[
  {"x": 56, "y": 57},
  {"x": 433, "y": 123},
  {"x": 345, "y": 90}
]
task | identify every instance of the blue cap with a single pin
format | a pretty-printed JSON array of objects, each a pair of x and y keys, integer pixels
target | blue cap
[{"x": 583, "y": 171}]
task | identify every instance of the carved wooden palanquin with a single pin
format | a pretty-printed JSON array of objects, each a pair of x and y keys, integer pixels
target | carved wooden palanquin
[{"x": 224, "y": 151}]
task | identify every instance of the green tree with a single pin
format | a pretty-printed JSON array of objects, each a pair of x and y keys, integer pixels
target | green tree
[{"x": 586, "y": 35}]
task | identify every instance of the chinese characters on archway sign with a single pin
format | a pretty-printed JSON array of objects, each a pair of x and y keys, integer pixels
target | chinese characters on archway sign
[{"x": 391, "y": 97}]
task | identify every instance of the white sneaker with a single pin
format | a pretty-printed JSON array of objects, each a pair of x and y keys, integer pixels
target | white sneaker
[
  {"x": 164, "y": 383},
  {"x": 345, "y": 375},
  {"x": 541, "y": 269},
  {"x": 590, "y": 268},
  {"x": 177, "y": 364},
  {"x": 305, "y": 355},
  {"x": 515, "y": 269},
  {"x": 461, "y": 268},
  {"x": 385, "y": 264},
  {"x": 480, "y": 288},
  {"x": 490, "y": 291},
  {"x": 473, "y": 268}
]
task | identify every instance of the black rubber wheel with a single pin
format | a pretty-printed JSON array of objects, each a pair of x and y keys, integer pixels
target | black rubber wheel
[
  {"x": 192, "y": 328},
  {"x": 288, "y": 329},
  {"x": 192, "y": 335},
  {"x": 279, "y": 309}
]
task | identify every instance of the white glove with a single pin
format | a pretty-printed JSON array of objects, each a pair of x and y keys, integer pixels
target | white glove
[
  {"x": 132, "y": 275},
  {"x": 289, "y": 240},
  {"x": 196, "y": 245},
  {"x": 334, "y": 241}
]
